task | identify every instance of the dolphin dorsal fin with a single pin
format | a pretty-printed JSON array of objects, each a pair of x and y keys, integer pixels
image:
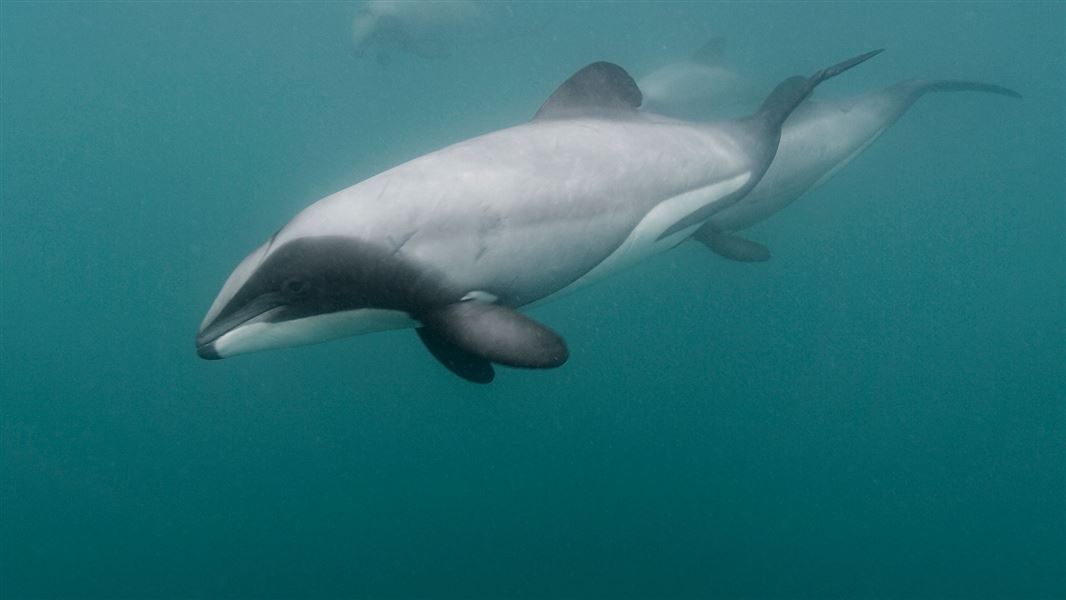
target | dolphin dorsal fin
[
  {"x": 711, "y": 53},
  {"x": 598, "y": 87}
]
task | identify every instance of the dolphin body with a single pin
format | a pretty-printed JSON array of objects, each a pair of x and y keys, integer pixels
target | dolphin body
[
  {"x": 817, "y": 141},
  {"x": 453, "y": 242},
  {"x": 702, "y": 86}
]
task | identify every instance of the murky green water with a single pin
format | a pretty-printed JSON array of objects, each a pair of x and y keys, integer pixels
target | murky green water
[{"x": 879, "y": 411}]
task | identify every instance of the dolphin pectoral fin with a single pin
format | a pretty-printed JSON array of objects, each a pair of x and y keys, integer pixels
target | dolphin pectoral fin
[
  {"x": 731, "y": 246},
  {"x": 496, "y": 333},
  {"x": 464, "y": 364}
]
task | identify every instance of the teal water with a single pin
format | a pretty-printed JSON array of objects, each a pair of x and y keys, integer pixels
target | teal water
[{"x": 879, "y": 411}]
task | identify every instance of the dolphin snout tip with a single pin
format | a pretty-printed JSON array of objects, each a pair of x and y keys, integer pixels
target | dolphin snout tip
[{"x": 207, "y": 352}]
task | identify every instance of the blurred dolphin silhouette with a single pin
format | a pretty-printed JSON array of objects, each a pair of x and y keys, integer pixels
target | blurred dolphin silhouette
[
  {"x": 818, "y": 140},
  {"x": 702, "y": 86},
  {"x": 433, "y": 30}
]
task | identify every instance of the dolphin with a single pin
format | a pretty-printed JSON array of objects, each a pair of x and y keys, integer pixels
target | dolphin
[
  {"x": 433, "y": 29},
  {"x": 701, "y": 86},
  {"x": 453, "y": 242},
  {"x": 817, "y": 141}
]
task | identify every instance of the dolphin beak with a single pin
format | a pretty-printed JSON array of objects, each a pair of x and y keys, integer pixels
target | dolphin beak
[
  {"x": 207, "y": 351},
  {"x": 210, "y": 333},
  {"x": 205, "y": 342}
]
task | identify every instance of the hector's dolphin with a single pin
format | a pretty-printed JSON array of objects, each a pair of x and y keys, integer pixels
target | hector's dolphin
[
  {"x": 818, "y": 140},
  {"x": 453, "y": 242}
]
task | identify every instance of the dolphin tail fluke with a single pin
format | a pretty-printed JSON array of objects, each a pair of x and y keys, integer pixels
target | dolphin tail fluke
[{"x": 916, "y": 88}]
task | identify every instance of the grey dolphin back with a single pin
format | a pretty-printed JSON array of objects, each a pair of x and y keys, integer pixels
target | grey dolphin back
[{"x": 764, "y": 129}]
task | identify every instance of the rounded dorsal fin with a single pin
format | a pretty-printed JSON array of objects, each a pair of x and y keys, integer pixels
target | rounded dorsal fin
[
  {"x": 711, "y": 53},
  {"x": 598, "y": 87}
]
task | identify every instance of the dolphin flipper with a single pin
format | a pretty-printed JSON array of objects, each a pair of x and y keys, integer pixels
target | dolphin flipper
[
  {"x": 733, "y": 247},
  {"x": 464, "y": 364},
  {"x": 494, "y": 333}
]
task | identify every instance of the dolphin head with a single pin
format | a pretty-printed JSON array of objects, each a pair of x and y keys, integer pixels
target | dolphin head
[{"x": 302, "y": 290}]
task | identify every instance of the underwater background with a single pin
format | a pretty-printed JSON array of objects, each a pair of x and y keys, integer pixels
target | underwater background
[{"x": 878, "y": 411}]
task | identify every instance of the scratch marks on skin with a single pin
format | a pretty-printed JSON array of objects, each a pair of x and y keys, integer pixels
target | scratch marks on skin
[
  {"x": 397, "y": 245},
  {"x": 491, "y": 227},
  {"x": 384, "y": 188}
]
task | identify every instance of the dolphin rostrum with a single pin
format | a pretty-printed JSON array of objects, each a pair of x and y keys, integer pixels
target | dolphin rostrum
[
  {"x": 818, "y": 140},
  {"x": 455, "y": 241}
]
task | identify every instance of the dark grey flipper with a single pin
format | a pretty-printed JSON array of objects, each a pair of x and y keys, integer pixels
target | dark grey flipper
[
  {"x": 764, "y": 127},
  {"x": 599, "y": 87},
  {"x": 496, "y": 333},
  {"x": 464, "y": 364},
  {"x": 731, "y": 246}
]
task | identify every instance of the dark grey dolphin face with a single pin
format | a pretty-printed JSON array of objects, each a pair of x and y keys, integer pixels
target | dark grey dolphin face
[{"x": 313, "y": 289}]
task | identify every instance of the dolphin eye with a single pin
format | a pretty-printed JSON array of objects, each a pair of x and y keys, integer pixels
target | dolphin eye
[{"x": 295, "y": 286}]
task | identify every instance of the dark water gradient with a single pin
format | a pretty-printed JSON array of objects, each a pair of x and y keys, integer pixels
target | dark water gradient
[{"x": 880, "y": 411}]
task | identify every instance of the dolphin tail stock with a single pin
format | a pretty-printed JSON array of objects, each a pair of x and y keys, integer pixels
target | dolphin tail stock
[{"x": 904, "y": 94}]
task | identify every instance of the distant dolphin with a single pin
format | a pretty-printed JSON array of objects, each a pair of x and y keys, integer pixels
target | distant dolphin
[
  {"x": 453, "y": 242},
  {"x": 818, "y": 140},
  {"x": 432, "y": 29},
  {"x": 699, "y": 87}
]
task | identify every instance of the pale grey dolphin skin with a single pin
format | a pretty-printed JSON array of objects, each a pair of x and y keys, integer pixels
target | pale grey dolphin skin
[
  {"x": 818, "y": 140},
  {"x": 454, "y": 241}
]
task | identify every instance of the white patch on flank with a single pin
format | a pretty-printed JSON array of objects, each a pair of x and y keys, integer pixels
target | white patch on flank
[
  {"x": 309, "y": 330},
  {"x": 644, "y": 240},
  {"x": 840, "y": 165},
  {"x": 480, "y": 296}
]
